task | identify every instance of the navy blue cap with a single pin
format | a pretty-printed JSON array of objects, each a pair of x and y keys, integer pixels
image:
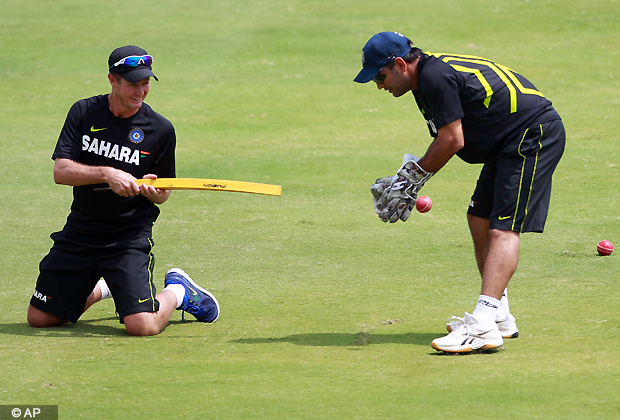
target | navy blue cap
[
  {"x": 380, "y": 50},
  {"x": 131, "y": 74}
]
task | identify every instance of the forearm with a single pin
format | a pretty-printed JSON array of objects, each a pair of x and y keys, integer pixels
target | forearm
[
  {"x": 436, "y": 157},
  {"x": 69, "y": 172},
  {"x": 447, "y": 143}
]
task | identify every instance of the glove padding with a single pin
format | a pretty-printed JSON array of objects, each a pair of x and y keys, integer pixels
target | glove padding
[
  {"x": 395, "y": 196},
  {"x": 378, "y": 188}
]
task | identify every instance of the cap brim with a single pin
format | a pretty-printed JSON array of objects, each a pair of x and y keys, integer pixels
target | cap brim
[
  {"x": 367, "y": 74},
  {"x": 136, "y": 75}
]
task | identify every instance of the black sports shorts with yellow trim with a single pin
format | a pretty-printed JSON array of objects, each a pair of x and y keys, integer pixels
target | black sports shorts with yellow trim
[
  {"x": 67, "y": 276},
  {"x": 513, "y": 190}
]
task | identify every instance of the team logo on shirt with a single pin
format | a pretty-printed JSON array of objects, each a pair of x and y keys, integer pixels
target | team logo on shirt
[
  {"x": 136, "y": 135},
  {"x": 113, "y": 151}
]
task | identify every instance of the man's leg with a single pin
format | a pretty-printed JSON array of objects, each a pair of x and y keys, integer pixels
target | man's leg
[
  {"x": 479, "y": 228},
  {"x": 497, "y": 248},
  {"x": 180, "y": 293},
  {"x": 481, "y": 235},
  {"x": 40, "y": 319},
  {"x": 152, "y": 323},
  {"x": 501, "y": 262},
  {"x": 497, "y": 255},
  {"x": 140, "y": 324}
]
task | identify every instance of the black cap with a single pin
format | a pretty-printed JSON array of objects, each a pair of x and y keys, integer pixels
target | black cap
[{"x": 129, "y": 73}]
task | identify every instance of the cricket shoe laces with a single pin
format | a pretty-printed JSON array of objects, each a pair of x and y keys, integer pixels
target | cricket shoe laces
[
  {"x": 468, "y": 335},
  {"x": 198, "y": 312},
  {"x": 197, "y": 301},
  {"x": 507, "y": 327},
  {"x": 454, "y": 323}
]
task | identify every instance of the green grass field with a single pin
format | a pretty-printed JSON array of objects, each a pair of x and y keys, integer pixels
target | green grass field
[{"x": 327, "y": 313}]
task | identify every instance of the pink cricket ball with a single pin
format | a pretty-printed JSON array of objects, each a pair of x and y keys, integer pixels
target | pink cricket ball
[
  {"x": 605, "y": 248},
  {"x": 423, "y": 204}
]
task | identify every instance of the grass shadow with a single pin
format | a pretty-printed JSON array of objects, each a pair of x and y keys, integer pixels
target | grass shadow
[
  {"x": 83, "y": 328},
  {"x": 344, "y": 339}
]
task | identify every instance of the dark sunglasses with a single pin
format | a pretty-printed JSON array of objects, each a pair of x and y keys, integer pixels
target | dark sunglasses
[{"x": 379, "y": 78}]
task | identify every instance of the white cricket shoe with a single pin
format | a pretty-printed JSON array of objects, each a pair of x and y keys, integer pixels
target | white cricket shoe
[
  {"x": 467, "y": 336},
  {"x": 507, "y": 327}
]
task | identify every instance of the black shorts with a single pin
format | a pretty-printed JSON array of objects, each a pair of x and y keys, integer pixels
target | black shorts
[
  {"x": 513, "y": 191},
  {"x": 67, "y": 277}
]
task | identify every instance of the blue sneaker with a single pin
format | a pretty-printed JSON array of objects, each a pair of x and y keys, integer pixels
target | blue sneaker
[{"x": 197, "y": 301}]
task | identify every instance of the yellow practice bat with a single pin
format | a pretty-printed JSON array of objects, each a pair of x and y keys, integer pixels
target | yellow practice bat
[{"x": 212, "y": 184}]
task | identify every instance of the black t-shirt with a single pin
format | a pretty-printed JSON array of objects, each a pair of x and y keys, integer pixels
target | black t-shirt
[
  {"x": 493, "y": 102},
  {"x": 141, "y": 144}
]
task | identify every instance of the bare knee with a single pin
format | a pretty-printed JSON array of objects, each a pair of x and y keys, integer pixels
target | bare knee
[
  {"x": 496, "y": 235},
  {"x": 141, "y": 331},
  {"x": 142, "y": 324},
  {"x": 40, "y": 319}
]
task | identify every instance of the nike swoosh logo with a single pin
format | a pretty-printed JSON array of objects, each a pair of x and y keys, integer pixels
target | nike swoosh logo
[
  {"x": 503, "y": 218},
  {"x": 93, "y": 129},
  {"x": 142, "y": 300},
  {"x": 195, "y": 296}
]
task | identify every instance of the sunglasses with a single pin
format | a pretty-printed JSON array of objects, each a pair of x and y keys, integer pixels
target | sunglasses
[
  {"x": 134, "y": 61},
  {"x": 379, "y": 78}
]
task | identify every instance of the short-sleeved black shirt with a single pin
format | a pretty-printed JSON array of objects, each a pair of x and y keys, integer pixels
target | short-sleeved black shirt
[
  {"x": 140, "y": 145},
  {"x": 493, "y": 102}
]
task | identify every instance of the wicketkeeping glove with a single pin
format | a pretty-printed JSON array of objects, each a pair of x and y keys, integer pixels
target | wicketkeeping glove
[
  {"x": 395, "y": 196},
  {"x": 378, "y": 188}
]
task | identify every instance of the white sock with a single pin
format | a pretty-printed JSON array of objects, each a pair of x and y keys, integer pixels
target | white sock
[
  {"x": 504, "y": 309},
  {"x": 105, "y": 290},
  {"x": 178, "y": 290},
  {"x": 486, "y": 310}
]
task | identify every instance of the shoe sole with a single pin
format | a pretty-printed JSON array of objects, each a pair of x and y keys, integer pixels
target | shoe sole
[
  {"x": 513, "y": 335},
  {"x": 184, "y": 274},
  {"x": 485, "y": 348}
]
